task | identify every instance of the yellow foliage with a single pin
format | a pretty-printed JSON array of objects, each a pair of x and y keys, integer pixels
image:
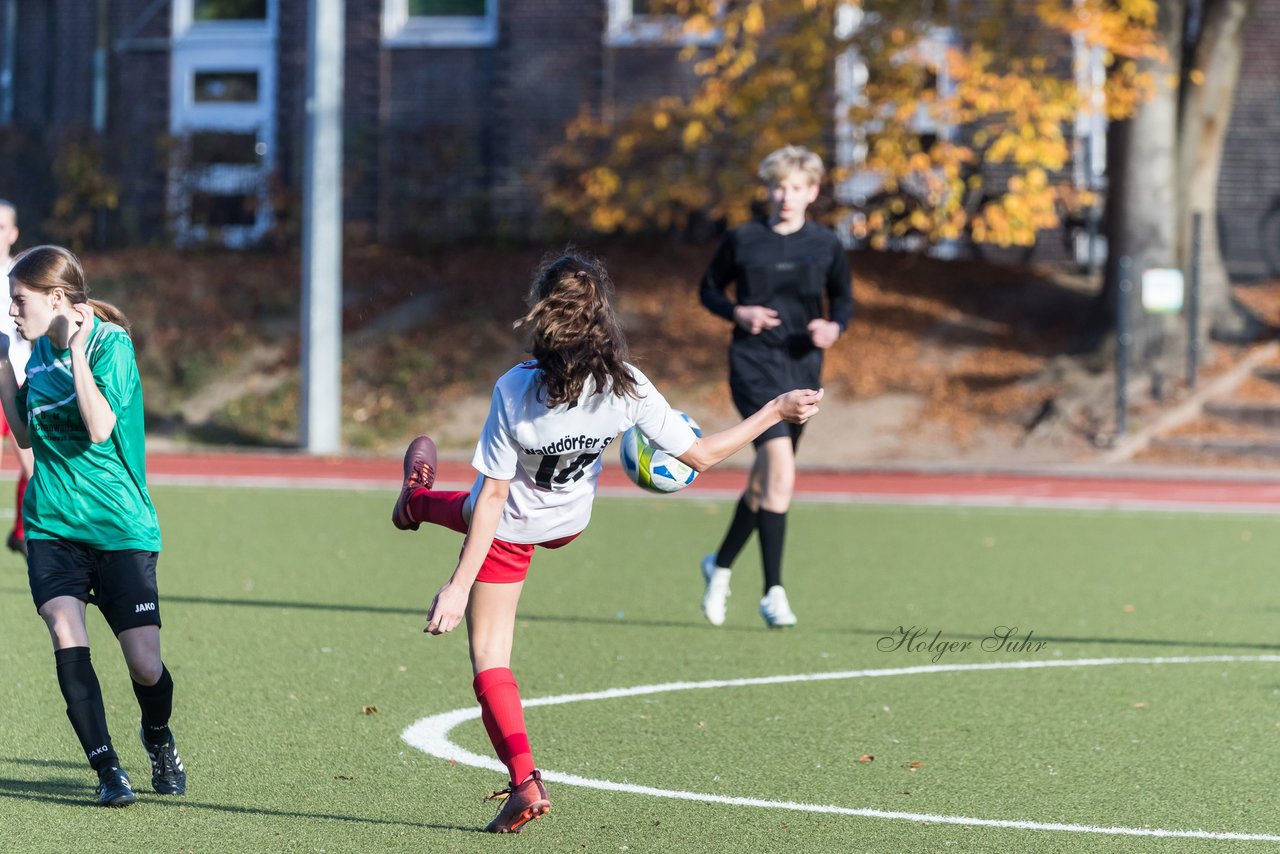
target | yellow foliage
[
  {"x": 766, "y": 82},
  {"x": 693, "y": 133},
  {"x": 601, "y": 183},
  {"x": 605, "y": 218}
]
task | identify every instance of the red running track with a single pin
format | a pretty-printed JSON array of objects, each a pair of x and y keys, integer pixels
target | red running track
[{"x": 1179, "y": 491}]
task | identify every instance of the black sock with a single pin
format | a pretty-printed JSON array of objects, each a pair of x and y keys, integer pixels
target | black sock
[
  {"x": 83, "y": 694},
  {"x": 744, "y": 522},
  {"x": 156, "y": 703},
  {"x": 773, "y": 533}
]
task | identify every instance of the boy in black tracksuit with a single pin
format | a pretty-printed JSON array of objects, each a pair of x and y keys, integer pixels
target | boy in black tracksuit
[{"x": 793, "y": 300}]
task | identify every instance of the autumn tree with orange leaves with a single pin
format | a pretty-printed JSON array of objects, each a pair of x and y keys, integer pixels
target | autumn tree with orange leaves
[
  {"x": 766, "y": 76},
  {"x": 769, "y": 78}
]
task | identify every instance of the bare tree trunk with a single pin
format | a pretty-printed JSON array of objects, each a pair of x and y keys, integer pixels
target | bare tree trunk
[
  {"x": 1208, "y": 86},
  {"x": 1142, "y": 195}
]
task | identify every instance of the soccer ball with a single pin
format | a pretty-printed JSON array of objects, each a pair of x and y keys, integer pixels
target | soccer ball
[{"x": 651, "y": 469}]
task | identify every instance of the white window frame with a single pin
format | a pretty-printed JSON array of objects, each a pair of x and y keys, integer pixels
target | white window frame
[
  {"x": 627, "y": 29},
  {"x": 851, "y": 81},
  {"x": 222, "y": 46},
  {"x": 399, "y": 29},
  {"x": 187, "y": 28}
]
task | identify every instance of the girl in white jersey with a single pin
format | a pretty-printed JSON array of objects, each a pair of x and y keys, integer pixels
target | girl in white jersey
[
  {"x": 19, "y": 352},
  {"x": 538, "y": 460}
]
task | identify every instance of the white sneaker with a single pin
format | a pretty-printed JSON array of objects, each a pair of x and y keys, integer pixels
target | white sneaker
[
  {"x": 775, "y": 608},
  {"x": 716, "y": 596}
]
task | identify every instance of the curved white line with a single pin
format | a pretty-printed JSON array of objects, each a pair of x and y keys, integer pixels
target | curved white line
[{"x": 431, "y": 736}]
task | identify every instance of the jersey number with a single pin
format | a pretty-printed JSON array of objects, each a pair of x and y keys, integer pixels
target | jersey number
[{"x": 546, "y": 478}]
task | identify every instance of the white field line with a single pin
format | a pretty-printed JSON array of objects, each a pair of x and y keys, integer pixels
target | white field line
[{"x": 431, "y": 735}]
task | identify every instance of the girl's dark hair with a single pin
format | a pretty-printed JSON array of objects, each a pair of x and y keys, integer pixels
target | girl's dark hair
[
  {"x": 573, "y": 331},
  {"x": 45, "y": 268}
]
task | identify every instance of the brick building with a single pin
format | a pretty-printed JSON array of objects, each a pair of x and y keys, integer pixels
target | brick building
[{"x": 195, "y": 110}]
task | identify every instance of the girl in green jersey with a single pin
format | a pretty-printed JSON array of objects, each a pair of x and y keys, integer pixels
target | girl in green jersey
[{"x": 91, "y": 530}]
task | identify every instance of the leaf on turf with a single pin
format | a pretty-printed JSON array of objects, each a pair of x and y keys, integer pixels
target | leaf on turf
[
  {"x": 1129, "y": 609},
  {"x": 368, "y": 710},
  {"x": 342, "y": 777},
  {"x": 1139, "y": 705},
  {"x": 917, "y": 764},
  {"x": 866, "y": 757}
]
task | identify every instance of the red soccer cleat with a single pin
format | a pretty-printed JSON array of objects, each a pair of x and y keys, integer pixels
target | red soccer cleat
[
  {"x": 522, "y": 805},
  {"x": 419, "y": 473}
]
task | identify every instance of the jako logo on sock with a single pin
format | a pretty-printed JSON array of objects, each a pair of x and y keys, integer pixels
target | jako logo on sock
[{"x": 144, "y": 606}]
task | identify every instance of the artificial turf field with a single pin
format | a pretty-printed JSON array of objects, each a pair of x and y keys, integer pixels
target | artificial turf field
[{"x": 291, "y": 616}]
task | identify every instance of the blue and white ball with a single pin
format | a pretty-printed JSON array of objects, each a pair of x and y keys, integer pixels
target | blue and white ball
[{"x": 651, "y": 469}]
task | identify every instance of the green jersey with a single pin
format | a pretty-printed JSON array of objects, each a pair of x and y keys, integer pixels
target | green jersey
[{"x": 91, "y": 494}]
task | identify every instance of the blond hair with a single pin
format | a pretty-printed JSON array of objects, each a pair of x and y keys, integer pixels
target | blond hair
[{"x": 790, "y": 158}]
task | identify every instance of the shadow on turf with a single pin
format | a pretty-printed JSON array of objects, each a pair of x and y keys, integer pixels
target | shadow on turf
[
  {"x": 80, "y": 793},
  {"x": 183, "y": 802},
  {"x": 64, "y": 791},
  {"x": 44, "y": 763},
  {"x": 421, "y": 612},
  {"x": 675, "y": 624}
]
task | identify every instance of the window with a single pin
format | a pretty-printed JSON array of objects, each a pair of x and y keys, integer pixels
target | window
[
  {"x": 230, "y": 10},
  {"x": 440, "y": 23},
  {"x": 222, "y": 19},
  {"x": 213, "y": 148},
  {"x": 441, "y": 8},
  {"x": 863, "y": 188},
  {"x": 646, "y": 22},
  {"x": 222, "y": 117},
  {"x": 216, "y": 210},
  {"x": 226, "y": 87}
]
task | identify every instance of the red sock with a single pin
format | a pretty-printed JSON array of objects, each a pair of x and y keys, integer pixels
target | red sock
[
  {"x": 18, "y": 530},
  {"x": 439, "y": 508},
  {"x": 503, "y": 718}
]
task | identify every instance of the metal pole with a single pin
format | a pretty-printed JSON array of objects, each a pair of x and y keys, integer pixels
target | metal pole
[
  {"x": 6, "y": 74},
  {"x": 100, "y": 111},
  {"x": 1193, "y": 301},
  {"x": 1124, "y": 339},
  {"x": 100, "y": 71},
  {"x": 322, "y": 232}
]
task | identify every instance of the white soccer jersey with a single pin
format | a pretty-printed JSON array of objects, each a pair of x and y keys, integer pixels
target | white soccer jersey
[
  {"x": 552, "y": 455},
  {"x": 19, "y": 347}
]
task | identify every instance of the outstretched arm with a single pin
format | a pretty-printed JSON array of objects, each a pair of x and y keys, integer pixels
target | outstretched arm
[
  {"x": 450, "y": 603},
  {"x": 795, "y": 406}
]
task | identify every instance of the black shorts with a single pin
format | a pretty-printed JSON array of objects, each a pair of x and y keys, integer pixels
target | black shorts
[
  {"x": 759, "y": 374},
  {"x": 121, "y": 583}
]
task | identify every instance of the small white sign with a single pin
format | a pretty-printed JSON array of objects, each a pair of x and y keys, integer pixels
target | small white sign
[{"x": 1162, "y": 290}]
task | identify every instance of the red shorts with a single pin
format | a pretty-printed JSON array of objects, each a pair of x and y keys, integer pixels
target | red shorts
[
  {"x": 4, "y": 425},
  {"x": 507, "y": 563}
]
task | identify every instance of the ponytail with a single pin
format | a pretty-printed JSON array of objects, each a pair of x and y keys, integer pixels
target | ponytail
[{"x": 108, "y": 312}]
